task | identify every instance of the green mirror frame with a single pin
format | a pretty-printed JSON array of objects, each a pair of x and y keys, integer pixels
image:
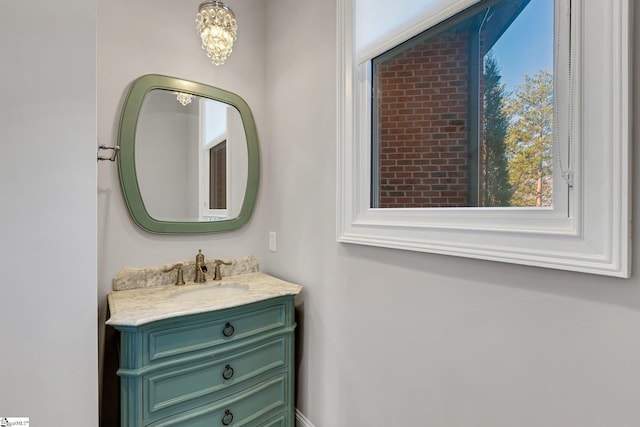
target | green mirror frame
[{"x": 127, "y": 165}]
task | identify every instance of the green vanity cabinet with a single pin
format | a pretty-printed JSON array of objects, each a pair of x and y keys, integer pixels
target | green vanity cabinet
[{"x": 228, "y": 367}]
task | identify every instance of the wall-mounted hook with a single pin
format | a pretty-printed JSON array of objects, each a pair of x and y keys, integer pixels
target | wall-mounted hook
[{"x": 114, "y": 152}]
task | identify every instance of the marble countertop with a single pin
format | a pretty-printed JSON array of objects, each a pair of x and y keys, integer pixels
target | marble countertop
[{"x": 135, "y": 307}]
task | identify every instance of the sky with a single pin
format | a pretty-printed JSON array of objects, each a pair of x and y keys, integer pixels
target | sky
[{"x": 527, "y": 46}]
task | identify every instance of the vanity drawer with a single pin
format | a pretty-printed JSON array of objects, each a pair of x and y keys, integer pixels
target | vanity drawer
[
  {"x": 187, "y": 385},
  {"x": 163, "y": 342},
  {"x": 279, "y": 421},
  {"x": 247, "y": 408}
]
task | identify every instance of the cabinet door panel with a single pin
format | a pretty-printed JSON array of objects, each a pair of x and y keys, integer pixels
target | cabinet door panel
[
  {"x": 279, "y": 421},
  {"x": 173, "y": 389},
  {"x": 242, "y": 409},
  {"x": 171, "y": 341}
]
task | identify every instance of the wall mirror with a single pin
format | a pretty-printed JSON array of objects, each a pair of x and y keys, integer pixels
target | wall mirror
[{"x": 189, "y": 160}]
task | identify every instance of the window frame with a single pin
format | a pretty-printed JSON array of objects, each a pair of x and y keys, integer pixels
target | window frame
[
  {"x": 204, "y": 171},
  {"x": 591, "y": 236}
]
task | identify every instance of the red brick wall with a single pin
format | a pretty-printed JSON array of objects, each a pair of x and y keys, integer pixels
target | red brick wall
[{"x": 423, "y": 96}]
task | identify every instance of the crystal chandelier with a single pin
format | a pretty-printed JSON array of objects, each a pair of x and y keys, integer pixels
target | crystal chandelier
[
  {"x": 216, "y": 25},
  {"x": 183, "y": 98}
]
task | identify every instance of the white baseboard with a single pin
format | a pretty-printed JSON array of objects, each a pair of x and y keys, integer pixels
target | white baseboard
[{"x": 301, "y": 420}]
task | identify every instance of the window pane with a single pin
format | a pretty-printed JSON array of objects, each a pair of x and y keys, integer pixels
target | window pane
[
  {"x": 218, "y": 176},
  {"x": 463, "y": 113}
]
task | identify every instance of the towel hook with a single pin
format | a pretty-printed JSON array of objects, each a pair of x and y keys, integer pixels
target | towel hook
[{"x": 114, "y": 152}]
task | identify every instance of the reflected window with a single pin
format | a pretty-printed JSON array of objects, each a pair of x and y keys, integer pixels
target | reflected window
[
  {"x": 216, "y": 135},
  {"x": 218, "y": 176},
  {"x": 462, "y": 114}
]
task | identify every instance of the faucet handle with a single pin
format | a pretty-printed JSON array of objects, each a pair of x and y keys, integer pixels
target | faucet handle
[
  {"x": 180, "y": 275},
  {"x": 216, "y": 272}
]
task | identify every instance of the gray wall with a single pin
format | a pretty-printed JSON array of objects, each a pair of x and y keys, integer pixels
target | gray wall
[
  {"x": 395, "y": 338},
  {"x": 48, "y": 339},
  {"x": 389, "y": 338},
  {"x": 159, "y": 36}
]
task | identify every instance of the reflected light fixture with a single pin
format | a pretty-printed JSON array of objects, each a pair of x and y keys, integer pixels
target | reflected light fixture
[
  {"x": 183, "y": 98},
  {"x": 217, "y": 27}
]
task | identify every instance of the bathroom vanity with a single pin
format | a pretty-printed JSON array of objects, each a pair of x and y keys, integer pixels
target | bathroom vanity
[{"x": 212, "y": 354}]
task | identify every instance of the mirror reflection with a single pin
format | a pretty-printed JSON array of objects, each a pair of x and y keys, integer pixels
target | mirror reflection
[{"x": 190, "y": 157}]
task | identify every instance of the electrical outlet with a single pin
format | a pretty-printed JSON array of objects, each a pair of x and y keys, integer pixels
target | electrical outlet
[{"x": 272, "y": 241}]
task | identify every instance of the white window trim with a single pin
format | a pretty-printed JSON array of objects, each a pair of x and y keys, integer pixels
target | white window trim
[
  {"x": 593, "y": 238},
  {"x": 205, "y": 180},
  {"x": 204, "y": 170}
]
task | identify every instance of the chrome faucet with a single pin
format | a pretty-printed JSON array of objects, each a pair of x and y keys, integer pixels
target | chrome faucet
[
  {"x": 216, "y": 271},
  {"x": 201, "y": 268}
]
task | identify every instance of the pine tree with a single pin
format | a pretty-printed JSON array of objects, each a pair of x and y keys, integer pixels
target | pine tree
[
  {"x": 495, "y": 186},
  {"x": 530, "y": 141}
]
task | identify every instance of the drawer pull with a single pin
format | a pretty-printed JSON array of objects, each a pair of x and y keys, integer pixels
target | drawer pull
[
  {"x": 228, "y": 330},
  {"x": 227, "y": 418},
  {"x": 228, "y": 372}
]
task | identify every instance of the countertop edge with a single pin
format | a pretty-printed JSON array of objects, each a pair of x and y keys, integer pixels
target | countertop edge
[{"x": 154, "y": 303}]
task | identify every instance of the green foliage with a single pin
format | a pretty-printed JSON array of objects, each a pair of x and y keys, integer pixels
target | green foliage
[
  {"x": 495, "y": 188},
  {"x": 530, "y": 141}
]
